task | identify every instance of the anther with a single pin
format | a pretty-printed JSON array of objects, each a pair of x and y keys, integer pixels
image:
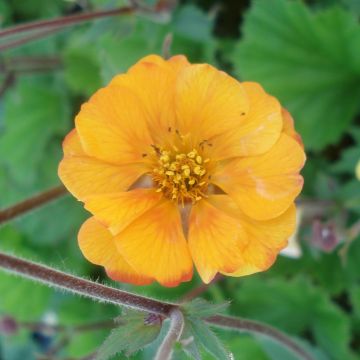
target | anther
[{"x": 192, "y": 154}]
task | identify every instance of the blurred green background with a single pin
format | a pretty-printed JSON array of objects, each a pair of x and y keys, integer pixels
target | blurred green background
[{"x": 307, "y": 53}]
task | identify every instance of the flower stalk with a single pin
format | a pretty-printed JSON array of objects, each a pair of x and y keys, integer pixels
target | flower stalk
[
  {"x": 32, "y": 203},
  {"x": 43, "y": 28},
  {"x": 77, "y": 285},
  {"x": 65, "y": 21},
  {"x": 28, "y": 38},
  {"x": 102, "y": 293},
  {"x": 250, "y": 326}
]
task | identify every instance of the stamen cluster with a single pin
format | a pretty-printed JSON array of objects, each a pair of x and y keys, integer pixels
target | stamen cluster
[{"x": 181, "y": 176}]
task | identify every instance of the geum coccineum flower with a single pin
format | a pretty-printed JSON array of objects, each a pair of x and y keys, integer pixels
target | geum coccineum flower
[{"x": 181, "y": 164}]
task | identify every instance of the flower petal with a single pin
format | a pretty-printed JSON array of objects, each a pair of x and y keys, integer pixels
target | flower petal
[
  {"x": 72, "y": 145},
  {"x": 257, "y": 133},
  {"x": 153, "y": 80},
  {"x": 215, "y": 240},
  {"x": 288, "y": 127},
  {"x": 84, "y": 176},
  {"x": 264, "y": 186},
  {"x": 175, "y": 63},
  {"x": 97, "y": 245},
  {"x": 118, "y": 210},
  {"x": 112, "y": 126},
  {"x": 264, "y": 239},
  {"x": 155, "y": 245},
  {"x": 208, "y": 102}
]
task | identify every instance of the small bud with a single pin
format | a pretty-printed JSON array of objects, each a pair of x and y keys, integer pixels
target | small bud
[
  {"x": 324, "y": 236},
  {"x": 8, "y": 325}
]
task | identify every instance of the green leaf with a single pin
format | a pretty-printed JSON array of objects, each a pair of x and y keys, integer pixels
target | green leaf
[
  {"x": 348, "y": 161},
  {"x": 202, "y": 308},
  {"x": 82, "y": 70},
  {"x": 349, "y": 195},
  {"x": 18, "y": 352},
  {"x": 276, "y": 351},
  {"x": 206, "y": 337},
  {"x": 132, "y": 335},
  {"x": 118, "y": 53},
  {"x": 5, "y": 13},
  {"x": 35, "y": 112},
  {"x": 189, "y": 345},
  {"x": 353, "y": 5},
  {"x": 192, "y": 23},
  {"x": 245, "y": 347},
  {"x": 37, "y": 8},
  {"x": 311, "y": 61},
  {"x": 307, "y": 307},
  {"x": 12, "y": 289}
]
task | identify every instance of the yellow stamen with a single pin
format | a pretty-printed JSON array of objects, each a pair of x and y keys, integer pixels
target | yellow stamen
[{"x": 180, "y": 176}]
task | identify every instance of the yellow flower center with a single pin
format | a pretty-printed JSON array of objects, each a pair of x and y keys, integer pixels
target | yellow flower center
[{"x": 181, "y": 176}]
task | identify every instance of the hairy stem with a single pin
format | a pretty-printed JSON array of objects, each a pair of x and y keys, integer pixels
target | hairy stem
[
  {"x": 32, "y": 203},
  {"x": 176, "y": 328},
  {"x": 19, "y": 64},
  {"x": 111, "y": 295},
  {"x": 250, "y": 326},
  {"x": 65, "y": 20},
  {"x": 81, "y": 286},
  {"x": 28, "y": 38},
  {"x": 192, "y": 294}
]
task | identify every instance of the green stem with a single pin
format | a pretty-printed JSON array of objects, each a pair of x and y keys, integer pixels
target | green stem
[{"x": 174, "y": 334}]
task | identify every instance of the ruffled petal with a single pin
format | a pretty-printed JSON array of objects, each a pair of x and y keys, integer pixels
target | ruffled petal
[
  {"x": 289, "y": 128},
  {"x": 263, "y": 240},
  {"x": 215, "y": 240},
  {"x": 85, "y": 176},
  {"x": 257, "y": 133},
  {"x": 112, "y": 126},
  {"x": 208, "y": 102},
  {"x": 178, "y": 62},
  {"x": 155, "y": 245},
  {"x": 153, "y": 80},
  {"x": 118, "y": 210},
  {"x": 97, "y": 245},
  {"x": 264, "y": 186}
]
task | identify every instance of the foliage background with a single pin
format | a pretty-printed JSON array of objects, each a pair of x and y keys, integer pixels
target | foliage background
[{"x": 307, "y": 53}]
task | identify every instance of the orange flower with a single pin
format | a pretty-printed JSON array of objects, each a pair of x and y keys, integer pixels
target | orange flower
[{"x": 182, "y": 164}]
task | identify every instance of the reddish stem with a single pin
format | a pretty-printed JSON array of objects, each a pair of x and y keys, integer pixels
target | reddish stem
[
  {"x": 24, "y": 40},
  {"x": 64, "y": 21},
  {"x": 192, "y": 294},
  {"x": 81, "y": 286},
  {"x": 107, "y": 294},
  {"x": 251, "y": 326},
  {"x": 32, "y": 203}
]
